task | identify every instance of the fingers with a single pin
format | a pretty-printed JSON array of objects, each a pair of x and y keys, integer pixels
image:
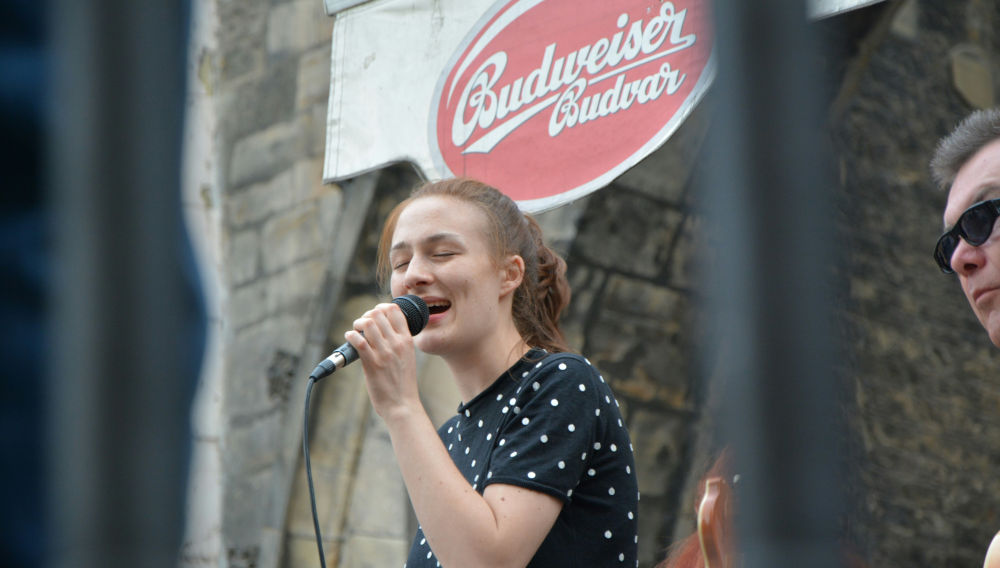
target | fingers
[{"x": 382, "y": 327}]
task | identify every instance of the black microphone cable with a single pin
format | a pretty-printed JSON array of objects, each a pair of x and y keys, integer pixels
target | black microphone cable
[{"x": 309, "y": 475}]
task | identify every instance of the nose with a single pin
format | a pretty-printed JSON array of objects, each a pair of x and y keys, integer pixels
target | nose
[
  {"x": 967, "y": 258},
  {"x": 419, "y": 273}
]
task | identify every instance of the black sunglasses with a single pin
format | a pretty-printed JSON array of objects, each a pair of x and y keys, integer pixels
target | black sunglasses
[{"x": 975, "y": 225}]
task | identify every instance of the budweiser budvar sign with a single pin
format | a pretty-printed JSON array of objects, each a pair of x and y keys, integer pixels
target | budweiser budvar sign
[
  {"x": 547, "y": 100},
  {"x": 551, "y": 99}
]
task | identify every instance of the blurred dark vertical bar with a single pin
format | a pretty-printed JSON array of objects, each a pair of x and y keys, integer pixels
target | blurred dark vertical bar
[
  {"x": 770, "y": 285},
  {"x": 128, "y": 328},
  {"x": 24, "y": 266}
]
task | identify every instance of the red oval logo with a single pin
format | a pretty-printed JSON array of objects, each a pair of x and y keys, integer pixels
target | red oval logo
[{"x": 548, "y": 100}]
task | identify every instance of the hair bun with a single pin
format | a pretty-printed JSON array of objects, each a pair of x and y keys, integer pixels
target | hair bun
[{"x": 551, "y": 267}]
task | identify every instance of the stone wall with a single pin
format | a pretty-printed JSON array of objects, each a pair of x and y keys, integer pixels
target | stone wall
[
  {"x": 293, "y": 259},
  {"x": 925, "y": 380},
  {"x": 260, "y": 82}
]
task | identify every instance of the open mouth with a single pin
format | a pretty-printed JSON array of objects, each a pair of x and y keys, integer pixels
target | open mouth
[{"x": 438, "y": 307}]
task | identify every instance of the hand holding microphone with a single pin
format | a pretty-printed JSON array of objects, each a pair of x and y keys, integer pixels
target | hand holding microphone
[{"x": 416, "y": 312}]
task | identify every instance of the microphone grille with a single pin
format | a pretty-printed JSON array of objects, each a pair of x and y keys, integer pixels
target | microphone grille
[{"x": 415, "y": 310}]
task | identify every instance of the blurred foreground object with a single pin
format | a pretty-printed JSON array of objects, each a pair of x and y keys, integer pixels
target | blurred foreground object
[{"x": 128, "y": 321}]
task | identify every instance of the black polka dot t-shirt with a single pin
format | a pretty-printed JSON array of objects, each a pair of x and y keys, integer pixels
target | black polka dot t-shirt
[{"x": 551, "y": 424}]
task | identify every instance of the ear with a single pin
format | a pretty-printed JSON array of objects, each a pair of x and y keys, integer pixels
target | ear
[{"x": 511, "y": 274}]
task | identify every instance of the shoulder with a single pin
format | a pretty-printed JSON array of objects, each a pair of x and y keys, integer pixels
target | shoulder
[
  {"x": 563, "y": 363},
  {"x": 567, "y": 370},
  {"x": 567, "y": 375},
  {"x": 993, "y": 554}
]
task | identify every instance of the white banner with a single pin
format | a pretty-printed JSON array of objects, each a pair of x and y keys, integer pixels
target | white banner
[
  {"x": 825, "y": 8},
  {"x": 386, "y": 57}
]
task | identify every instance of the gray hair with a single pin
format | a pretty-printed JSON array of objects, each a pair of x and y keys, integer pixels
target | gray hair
[{"x": 971, "y": 135}]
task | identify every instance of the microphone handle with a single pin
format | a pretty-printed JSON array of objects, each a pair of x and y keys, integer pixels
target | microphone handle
[{"x": 341, "y": 356}]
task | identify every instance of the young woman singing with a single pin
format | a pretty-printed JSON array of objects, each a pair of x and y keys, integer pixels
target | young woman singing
[{"x": 536, "y": 468}]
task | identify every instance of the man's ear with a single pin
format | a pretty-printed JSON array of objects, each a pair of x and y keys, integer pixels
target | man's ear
[{"x": 512, "y": 273}]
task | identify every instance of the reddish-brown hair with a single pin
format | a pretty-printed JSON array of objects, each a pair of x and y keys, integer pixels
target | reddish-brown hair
[{"x": 544, "y": 291}]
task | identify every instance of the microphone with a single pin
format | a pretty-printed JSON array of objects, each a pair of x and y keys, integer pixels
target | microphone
[{"x": 416, "y": 312}]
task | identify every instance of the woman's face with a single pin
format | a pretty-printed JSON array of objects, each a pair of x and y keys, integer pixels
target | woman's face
[{"x": 440, "y": 252}]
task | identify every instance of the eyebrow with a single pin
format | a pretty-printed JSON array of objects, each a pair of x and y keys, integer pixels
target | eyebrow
[
  {"x": 990, "y": 191},
  {"x": 985, "y": 193},
  {"x": 435, "y": 238}
]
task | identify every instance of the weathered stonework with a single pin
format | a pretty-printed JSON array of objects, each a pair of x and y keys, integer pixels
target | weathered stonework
[
  {"x": 924, "y": 373},
  {"x": 295, "y": 266}
]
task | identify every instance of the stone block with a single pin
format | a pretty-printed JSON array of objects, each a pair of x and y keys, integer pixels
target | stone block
[
  {"x": 247, "y": 304},
  {"x": 626, "y": 232},
  {"x": 642, "y": 299},
  {"x": 271, "y": 545},
  {"x": 258, "y": 201},
  {"x": 641, "y": 339},
  {"x": 248, "y": 357},
  {"x": 243, "y": 514},
  {"x": 293, "y": 291},
  {"x": 586, "y": 284},
  {"x": 253, "y": 441},
  {"x": 559, "y": 224},
  {"x": 368, "y": 552},
  {"x": 300, "y": 550},
  {"x": 307, "y": 182},
  {"x": 312, "y": 122},
  {"x": 308, "y": 186},
  {"x": 332, "y": 487},
  {"x": 690, "y": 255},
  {"x": 240, "y": 34},
  {"x": 971, "y": 75},
  {"x": 295, "y": 186},
  {"x": 658, "y": 439},
  {"x": 257, "y": 101},
  {"x": 243, "y": 256},
  {"x": 237, "y": 62},
  {"x": 243, "y": 556},
  {"x": 313, "y": 81},
  {"x": 379, "y": 503},
  {"x": 653, "y": 526},
  {"x": 265, "y": 153},
  {"x": 282, "y": 376},
  {"x": 298, "y": 25},
  {"x": 906, "y": 21},
  {"x": 292, "y": 236},
  {"x": 341, "y": 407}
]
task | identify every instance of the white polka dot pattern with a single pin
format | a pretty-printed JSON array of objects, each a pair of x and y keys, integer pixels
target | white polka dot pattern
[{"x": 549, "y": 425}]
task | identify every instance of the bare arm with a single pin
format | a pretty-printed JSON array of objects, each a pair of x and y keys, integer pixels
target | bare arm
[
  {"x": 504, "y": 526},
  {"x": 993, "y": 554}
]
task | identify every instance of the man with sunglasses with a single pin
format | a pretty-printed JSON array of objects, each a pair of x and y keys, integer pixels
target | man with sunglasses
[{"x": 967, "y": 161}]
